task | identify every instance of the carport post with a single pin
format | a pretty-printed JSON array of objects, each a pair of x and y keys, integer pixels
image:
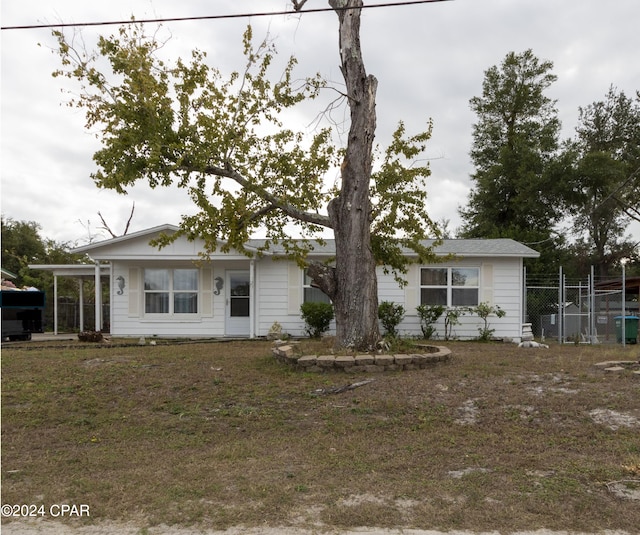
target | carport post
[
  {"x": 55, "y": 304},
  {"x": 81, "y": 298},
  {"x": 98, "y": 299}
]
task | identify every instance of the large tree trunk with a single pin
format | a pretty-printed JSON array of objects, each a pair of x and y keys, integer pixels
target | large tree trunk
[{"x": 354, "y": 287}]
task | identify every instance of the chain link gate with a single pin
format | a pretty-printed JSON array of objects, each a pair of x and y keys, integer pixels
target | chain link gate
[{"x": 571, "y": 310}]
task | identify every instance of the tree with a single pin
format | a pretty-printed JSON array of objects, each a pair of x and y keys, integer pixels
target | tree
[
  {"x": 223, "y": 140},
  {"x": 22, "y": 245},
  {"x": 514, "y": 142},
  {"x": 605, "y": 178}
]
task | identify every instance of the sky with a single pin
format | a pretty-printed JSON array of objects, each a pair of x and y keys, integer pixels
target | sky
[{"x": 429, "y": 60}]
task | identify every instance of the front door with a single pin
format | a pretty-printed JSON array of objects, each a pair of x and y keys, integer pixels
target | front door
[{"x": 238, "y": 303}]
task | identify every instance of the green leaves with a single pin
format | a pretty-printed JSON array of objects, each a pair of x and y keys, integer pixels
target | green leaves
[
  {"x": 398, "y": 195},
  {"x": 515, "y": 140},
  {"x": 225, "y": 140}
]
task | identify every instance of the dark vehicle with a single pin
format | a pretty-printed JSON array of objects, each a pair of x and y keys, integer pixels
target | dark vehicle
[{"x": 21, "y": 313}]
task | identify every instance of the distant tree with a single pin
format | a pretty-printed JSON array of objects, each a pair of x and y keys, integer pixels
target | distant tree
[
  {"x": 515, "y": 139},
  {"x": 605, "y": 179},
  {"x": 22, "y": 244},
  {"x": 224, "y": 140}
]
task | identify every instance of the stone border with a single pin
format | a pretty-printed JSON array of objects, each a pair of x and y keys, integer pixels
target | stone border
[{"x": 366, "y": 362}]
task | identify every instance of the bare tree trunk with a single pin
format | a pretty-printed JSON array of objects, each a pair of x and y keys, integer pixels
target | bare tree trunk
[{"x": 355, "y": 285}]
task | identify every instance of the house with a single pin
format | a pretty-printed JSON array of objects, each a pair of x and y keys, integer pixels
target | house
[{"x": 176, "y": 292}]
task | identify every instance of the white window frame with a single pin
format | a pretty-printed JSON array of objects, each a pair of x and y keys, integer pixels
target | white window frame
[
  {"x": 450, "y": 287},
  {"x": 171, "y": 292}
]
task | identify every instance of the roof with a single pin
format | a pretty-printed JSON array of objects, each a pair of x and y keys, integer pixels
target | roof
[
  {"x": 500, "y": 247},
  {"x": 6, "y": 274},
  {"x": 79, "y": 271},
  {"x": 168, "y": 229}
]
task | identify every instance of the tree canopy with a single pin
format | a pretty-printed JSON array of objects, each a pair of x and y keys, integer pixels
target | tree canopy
[
  {"x": 514, "y": 140},
  {"x": 224, "y": 139},
  {"x": 605, "y": 178}
]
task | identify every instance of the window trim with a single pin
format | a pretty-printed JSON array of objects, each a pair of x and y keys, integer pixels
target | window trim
[{"x": 450, "y": 286}]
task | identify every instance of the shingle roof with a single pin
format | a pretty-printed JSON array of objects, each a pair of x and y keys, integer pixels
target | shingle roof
[{"x": 504, "y": 247}]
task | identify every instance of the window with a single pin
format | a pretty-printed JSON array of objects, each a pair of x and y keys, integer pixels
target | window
[
  {"x": 171, "y": 291},
  {"x": 312, "y": 294},
  {"x": 452, "y": 287}
]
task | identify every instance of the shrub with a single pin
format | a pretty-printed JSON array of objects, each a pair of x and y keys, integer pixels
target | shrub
[
  {"x": 317, "y": 318},
  {"x": 390, "y": 315},
  {"x": 428, "y": 315},
  {"x": 483, "y": 310},
  {"x": 451, "y": 318}
]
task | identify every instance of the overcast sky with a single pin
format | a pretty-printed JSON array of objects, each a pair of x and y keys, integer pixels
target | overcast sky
[{"x": 429, "y": 59}]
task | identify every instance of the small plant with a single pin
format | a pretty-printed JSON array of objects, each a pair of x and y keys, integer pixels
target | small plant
[
  {"x": 451, "y": 318},
  {"x": 317, "y": 318},
  {"x": 484, "y": 310},
  {"x": 428, "y": 315},
  {"x": 390, "y": 316}
]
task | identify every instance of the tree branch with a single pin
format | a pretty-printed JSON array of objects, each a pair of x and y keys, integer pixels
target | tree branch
[
  {"x": 126, "y": 228},
  {"x": 106, "y": 227},
  {"x": 274, "y": 201},
  {"x": 297, "y": 4}
]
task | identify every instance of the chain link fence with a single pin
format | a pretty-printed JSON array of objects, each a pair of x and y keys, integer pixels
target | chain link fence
[
  {"x": 574, "y": 310},
  {"x": 69, "y": 316}
]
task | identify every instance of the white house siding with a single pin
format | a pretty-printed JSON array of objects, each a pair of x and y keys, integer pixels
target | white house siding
[
  {"x": 127, "y": 311},
  {"x": 280, "y": 296},
  {"x": 278, "y": 287},
  {"x": 277, "y": 296},
  {"x": 500, "y": 284}
]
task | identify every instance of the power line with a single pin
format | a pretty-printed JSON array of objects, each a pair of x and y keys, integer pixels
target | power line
[{"x": 217, "y": 17}]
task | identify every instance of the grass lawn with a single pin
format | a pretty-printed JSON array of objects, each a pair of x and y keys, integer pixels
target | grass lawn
[{"x": 220, "y": 434}]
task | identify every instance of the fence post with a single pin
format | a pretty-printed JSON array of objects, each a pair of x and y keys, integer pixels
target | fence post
[
  {"x": 624, "y": 304},
  {"x": 560, "y": 307}
]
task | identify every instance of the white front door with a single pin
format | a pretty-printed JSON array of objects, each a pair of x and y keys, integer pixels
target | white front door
[{"x": 238, "y": 306}]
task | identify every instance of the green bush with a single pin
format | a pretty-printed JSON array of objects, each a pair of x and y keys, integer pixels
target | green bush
[
  {"x": 317, "y": 318},
  {"x": 428, "y": 315},
  {"x": 483, "y": 310},
  {"x": 390, "y": 315}
]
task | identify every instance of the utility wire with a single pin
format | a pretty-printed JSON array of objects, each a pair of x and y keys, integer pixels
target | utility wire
[{"x": 218, "y": 17}]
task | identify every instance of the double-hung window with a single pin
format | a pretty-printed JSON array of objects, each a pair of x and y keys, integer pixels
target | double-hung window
[
  {"x": 449, "y": 286},
  {"x": 171, "y": 291},
  {"x": 311, "y": 293}
]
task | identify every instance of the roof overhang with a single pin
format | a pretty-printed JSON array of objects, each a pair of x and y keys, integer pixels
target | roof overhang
[{"x": 78, "y": 271}]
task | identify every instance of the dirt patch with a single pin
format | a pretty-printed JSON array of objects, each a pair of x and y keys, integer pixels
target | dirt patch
[{"x": 614, "y": 420}]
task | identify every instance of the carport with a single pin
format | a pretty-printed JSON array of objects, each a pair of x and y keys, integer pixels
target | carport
[{"x": 79, "y": 272}]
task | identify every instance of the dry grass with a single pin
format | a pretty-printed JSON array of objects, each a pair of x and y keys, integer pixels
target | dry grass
[{"x": 219, "y": 434}]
